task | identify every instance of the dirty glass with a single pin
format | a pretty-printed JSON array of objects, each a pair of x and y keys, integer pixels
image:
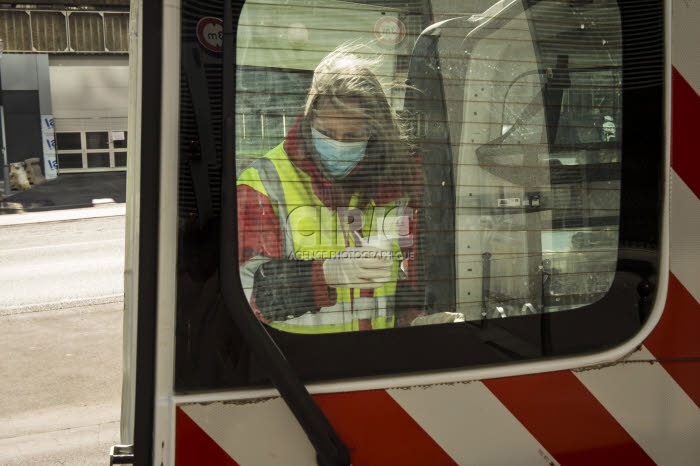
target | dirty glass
[
  {"x": 491, "y": 188},
  {"x": 536, "y": 155}
]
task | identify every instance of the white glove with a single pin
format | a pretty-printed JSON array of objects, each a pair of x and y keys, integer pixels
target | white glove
[
  {"x": 439, "y": 318},
  {"x": 354, "y": 267}
]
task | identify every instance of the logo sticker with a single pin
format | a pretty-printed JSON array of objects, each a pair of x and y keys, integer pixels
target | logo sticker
[
  {"x": 210, "y": 33},
  {"x": 389, "y": 30}
]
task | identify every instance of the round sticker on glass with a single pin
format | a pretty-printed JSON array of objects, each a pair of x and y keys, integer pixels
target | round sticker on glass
[
  {"x": 389, "y": 30},
  {"x": 210, "y": 33}
]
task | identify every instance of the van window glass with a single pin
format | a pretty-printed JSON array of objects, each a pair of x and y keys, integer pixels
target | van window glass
[{"x": 489, "y": 188}]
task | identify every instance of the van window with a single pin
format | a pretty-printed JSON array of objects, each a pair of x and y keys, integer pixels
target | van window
[
  {"x": 483, "y": 187},
  {"x": 514, "y": 136}
]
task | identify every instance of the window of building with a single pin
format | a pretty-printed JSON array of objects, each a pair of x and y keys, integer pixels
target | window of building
[{"x": 91, "y": 150}]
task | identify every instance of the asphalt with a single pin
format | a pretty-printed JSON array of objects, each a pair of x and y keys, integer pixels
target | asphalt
[
  {"x": 61, "y": 386},
  {"x": 75, "y": 195},
  {"x": 63, "y": 377}
]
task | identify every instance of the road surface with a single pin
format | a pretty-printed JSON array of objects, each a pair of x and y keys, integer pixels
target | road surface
[
  {"x": 53, "y": 265},
  {"x": 61, "y": 385},
  {"x": 61, "y": 314}
]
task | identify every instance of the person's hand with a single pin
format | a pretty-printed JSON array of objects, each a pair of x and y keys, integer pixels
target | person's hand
[
  {"x": 438, "y": 318},
  {"x": 354, "y": 267}
]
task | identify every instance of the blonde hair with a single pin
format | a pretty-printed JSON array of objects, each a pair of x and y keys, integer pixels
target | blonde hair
[{"x": 347, "y": 75}]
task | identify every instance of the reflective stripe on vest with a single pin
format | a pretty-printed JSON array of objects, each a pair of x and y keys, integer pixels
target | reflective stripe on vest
[{"x": 313, "y": 231}]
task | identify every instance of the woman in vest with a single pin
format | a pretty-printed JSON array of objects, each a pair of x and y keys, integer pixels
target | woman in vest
[{"x": 327, "y": 219}]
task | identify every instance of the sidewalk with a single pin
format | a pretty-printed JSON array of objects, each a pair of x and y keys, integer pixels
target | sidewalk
[{"x": 78, "y": 195}]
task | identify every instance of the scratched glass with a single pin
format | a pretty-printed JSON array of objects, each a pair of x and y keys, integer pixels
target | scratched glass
[{"x": 513, "y": 116}]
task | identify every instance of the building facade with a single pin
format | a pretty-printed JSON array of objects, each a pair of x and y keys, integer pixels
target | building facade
[{"x": 64, "y": 75}]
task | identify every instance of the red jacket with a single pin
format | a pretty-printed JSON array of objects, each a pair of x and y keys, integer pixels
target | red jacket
[{"x": 263, "y": 234}]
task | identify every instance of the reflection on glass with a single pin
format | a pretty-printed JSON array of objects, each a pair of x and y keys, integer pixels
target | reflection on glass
[
  {"x": 327, "y": 181},
  {"x": 540, "y": 157},
  {"x": 504, "y": 200},
  {"x": 325, "y": 217}
]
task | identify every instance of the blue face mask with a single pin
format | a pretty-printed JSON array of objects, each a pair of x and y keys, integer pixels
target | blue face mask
[{"x": 338, "y": 158}]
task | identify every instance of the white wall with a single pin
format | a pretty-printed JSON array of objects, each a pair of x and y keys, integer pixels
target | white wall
[{"x": 89, "y": 93}]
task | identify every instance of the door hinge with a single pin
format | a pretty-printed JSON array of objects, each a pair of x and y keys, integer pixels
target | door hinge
[{"x": 121, "y": 454}]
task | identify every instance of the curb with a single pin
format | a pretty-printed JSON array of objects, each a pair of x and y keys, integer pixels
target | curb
[
  {"x": 10, "y": 208},
  {"x": 61, "y": 215},
  {"x": 71, "y": 304}
]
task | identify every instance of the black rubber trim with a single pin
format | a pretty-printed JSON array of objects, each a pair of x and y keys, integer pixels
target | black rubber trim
[
  {"x": 330, "y": 450},
  {"x": 149, "y": 186}
]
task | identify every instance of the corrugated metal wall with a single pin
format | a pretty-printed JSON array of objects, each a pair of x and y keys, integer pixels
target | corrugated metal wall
[{"x": 64, "y": 31}]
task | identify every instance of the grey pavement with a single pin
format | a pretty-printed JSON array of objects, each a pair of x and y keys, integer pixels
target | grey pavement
[
  {"x": 61, "y": 380},
  {"x": 61, "y": 264},
  {"x": 61, "y": 369}
]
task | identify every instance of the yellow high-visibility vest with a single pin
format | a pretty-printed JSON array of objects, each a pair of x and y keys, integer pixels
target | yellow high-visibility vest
[{"x": 310, "y": 230}]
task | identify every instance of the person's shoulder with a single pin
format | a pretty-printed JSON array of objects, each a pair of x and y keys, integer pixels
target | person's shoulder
[
  {"x": 277, "y": 153},
  {"x": 257, "y": 164}
]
